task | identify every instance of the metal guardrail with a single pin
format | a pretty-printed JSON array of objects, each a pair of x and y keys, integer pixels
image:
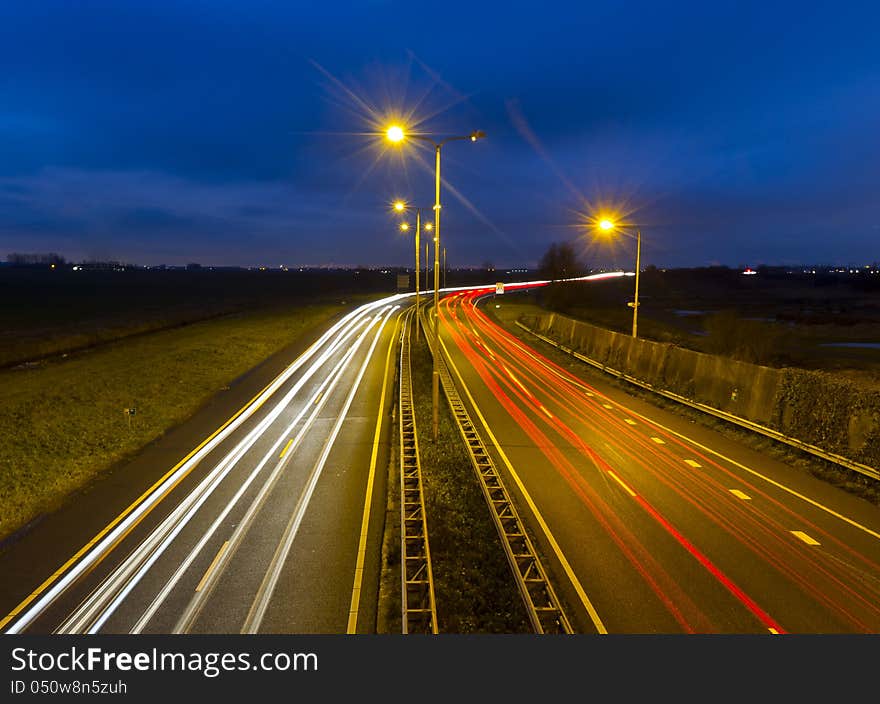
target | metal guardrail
[
  {"x": 724, "y": 415},
  {"x": 418, "y": 606},
  {"x": 542, "y": 605}
]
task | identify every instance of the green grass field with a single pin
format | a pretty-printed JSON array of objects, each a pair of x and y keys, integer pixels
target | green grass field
[{"x": 62, "y": 422}]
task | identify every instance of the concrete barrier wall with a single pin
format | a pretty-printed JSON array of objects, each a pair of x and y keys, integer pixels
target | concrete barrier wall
[{"x": 818, "y": 408}]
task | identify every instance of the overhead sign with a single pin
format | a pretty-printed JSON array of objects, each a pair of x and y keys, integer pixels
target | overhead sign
[{"x": 499, "y": 287}]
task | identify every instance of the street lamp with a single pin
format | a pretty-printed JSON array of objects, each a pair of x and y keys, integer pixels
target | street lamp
[
  {"x": 608, "y": 225},
  {"x": 396, "y": 134},
  {"x": 400, "y": 207}
]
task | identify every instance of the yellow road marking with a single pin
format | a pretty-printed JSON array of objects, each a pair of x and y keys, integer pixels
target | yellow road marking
[
  {"x": 767, "y": 479},
  {"x": 517, "y": 381},
  {"x": 629, "y": 421},
  {"x": 131, "y": 507},
  {"x": 607, "y": 405},
  {"x": 773, "y": 631},
  {"x": 212, "y": 566},
  {"x": 582, "y": 595},
  {"x": 803, "y": 536},
  {"x": 620, "y": 481},
  {"x": 365, "y": 519},
  {"x": 740, "y": 495},
  {"x": 546, "y": 412},
  {"x": 659, "y": 441},
  {"x": 286, "y": 448},
  {"x": 318, "y": 397},
  {"x": 693, "y": 463}
]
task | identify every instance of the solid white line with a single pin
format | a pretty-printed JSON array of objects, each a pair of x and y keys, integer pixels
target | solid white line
[
  {"x": 186, "y": 619},
  {"x": 696, "y": 444},
  {"x": 99, "y": 548},
  {"x": 578, "y": 587},
  {"x": 130, "y": 572},
  {"x": 267, "y": 588}
]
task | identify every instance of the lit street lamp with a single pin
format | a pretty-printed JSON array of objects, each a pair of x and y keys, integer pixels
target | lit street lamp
[
  {"x": 396, "y": 134},
  {"x": 607, "y": 226},
  {"x": 400, "y": 207}
]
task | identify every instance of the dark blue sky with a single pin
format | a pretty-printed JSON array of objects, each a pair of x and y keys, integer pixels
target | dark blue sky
[{"x": 739, "y": 133}]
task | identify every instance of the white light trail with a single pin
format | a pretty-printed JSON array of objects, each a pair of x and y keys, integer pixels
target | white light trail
[
  {"x": 103, "y": 546},
  {"x": 185, "y": 622},
  {"x": 264, "y": 595},
  {"x": 130, "y": 572}
]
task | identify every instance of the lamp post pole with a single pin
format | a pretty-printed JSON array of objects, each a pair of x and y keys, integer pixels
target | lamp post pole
[
  {"x": 435, "y": 376},
  {"x": 608, "y": 225},
  {"x": 636, "y": 297},
  {"x": 418, "y": 265},
  {"x": 397, "y": 134}
]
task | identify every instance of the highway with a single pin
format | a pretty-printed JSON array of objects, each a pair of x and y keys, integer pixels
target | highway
[
  {"x": 271, "y": 524},
  {"x": 648, "y": 522}
]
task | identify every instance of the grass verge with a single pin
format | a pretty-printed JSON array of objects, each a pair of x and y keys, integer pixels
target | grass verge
[
  {"x": 63, "y": 422},
  {"x": 474, "y": 588}
]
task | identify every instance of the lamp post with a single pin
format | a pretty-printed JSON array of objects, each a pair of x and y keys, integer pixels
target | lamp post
[
  {"x": 400, "y": 206},
  {"x": 396, "y": 134},
  {"x": 608, "y": 225}
]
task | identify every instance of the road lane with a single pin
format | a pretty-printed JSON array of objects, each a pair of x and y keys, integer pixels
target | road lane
[
  {"x": 142, "y": 571},
  {"x": 649, "y": 519}
]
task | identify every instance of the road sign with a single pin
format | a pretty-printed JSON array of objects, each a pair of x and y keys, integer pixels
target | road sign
[
  {"x": 499, "y": 287},
  {"x": 402, "y": 282}
]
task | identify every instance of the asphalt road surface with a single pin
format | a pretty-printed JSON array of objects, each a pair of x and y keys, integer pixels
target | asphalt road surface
[
  {"x": 650, "y": 523},
  {"x": 272, "y": 523},
  {"x": 271, "y": 520}
]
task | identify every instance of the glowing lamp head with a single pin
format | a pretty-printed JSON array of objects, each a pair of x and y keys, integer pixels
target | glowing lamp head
[
  {"x": 394, "y": 133},
  {"x": 399, "y": 206},
  {"x": 429, "y": 226},
  {"x": 606, "y": 225},
  {"x": 404, "y": 226}
]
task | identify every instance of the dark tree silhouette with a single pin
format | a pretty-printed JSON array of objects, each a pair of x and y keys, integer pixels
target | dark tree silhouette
[{"x": 560, "y": 261}]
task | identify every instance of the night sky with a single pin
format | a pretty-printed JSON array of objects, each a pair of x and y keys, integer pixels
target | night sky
[{"x": 242, "y": 132}]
